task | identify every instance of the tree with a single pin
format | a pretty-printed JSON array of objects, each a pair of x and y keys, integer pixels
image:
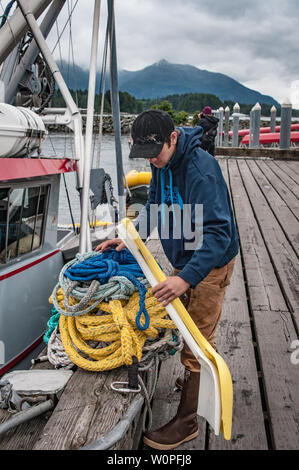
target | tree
[{"x": 181, "y": 118}]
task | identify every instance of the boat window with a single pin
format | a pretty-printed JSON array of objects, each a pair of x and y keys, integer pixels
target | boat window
[{"x": 22, "y": 219}]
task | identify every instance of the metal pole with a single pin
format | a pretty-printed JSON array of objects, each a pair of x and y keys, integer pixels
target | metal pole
[
  {"x": 102, "y": 102},
  {"x": 32, "y": 51},
  {"x": 116, "y": 110},
  {"x": 256, "y": 111},
  {"x": 236, "y": 117},
  {"x": 117, "y": 433},
  {"x": 72, "y": 107},
  {"x": 16, "y": 27},
  {"x": 226, "y": 126},
  {"x": 24, "y": 416},
  {"x": 285, "y": 125},
  {"x": 273, "y": 119},
  {"x": 85, "y": 244}
]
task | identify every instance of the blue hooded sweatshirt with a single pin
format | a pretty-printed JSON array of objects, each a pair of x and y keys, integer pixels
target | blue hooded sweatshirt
[{"x": 195, "y": 220}]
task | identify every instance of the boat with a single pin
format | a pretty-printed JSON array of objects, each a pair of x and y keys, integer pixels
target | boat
[
  {"x": 263, "y": 130},
  {"x": 272, "y": 139},
  {"x": 33, "y": 248}
]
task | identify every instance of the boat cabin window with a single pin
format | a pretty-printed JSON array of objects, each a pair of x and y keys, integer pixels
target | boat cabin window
[{"x": 22, "y": 220}]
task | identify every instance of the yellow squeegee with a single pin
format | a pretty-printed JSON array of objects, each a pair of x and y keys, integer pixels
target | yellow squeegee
[{"x": 215, "y": 401}]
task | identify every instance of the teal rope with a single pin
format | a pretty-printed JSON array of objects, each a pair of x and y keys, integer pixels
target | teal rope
[{"x": 52, "y": 324}]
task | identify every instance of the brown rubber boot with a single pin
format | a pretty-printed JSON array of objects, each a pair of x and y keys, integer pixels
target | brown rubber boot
[{"x": 183, "y": 427}]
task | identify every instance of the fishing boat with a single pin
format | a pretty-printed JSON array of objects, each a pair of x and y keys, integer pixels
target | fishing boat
[{"x": 33, "y": 248}]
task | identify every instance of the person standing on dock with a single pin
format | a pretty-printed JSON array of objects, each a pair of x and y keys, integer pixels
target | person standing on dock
[
  {"x": 184, "y": 179},
  {"x": 209, "y": 124}
]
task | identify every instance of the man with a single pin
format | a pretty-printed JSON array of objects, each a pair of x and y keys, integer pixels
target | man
[
  {"x": 209, "y": 124},
  {"x": 185, "y": 179}
]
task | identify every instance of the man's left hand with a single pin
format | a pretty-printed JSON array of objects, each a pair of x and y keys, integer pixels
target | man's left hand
[{"x": 166, "y": 291}]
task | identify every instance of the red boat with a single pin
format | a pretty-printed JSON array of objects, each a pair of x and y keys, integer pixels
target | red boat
[
  {"x": 271, "y": 138},
  {"x": 263, "y": 130}
]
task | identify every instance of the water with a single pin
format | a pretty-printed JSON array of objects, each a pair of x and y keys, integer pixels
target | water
[{"x": 62, "y": 145}]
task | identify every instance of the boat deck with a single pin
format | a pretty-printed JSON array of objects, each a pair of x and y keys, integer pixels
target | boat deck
[{"x": 256, "y": 336}]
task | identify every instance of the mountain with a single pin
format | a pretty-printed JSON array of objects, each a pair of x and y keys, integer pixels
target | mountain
[{"x": 164, "y": 78}]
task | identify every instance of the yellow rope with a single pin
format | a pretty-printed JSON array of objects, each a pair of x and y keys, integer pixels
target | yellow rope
[{"x": 115, "y": 326}]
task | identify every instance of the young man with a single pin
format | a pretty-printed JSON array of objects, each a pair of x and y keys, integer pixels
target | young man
[
  {"x": 209, "y": 124},
  {"x": 188, "y": 200}
]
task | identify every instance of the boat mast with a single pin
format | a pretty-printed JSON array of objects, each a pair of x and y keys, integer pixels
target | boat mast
[
  {"x": 85, "y": 244},
  {"x": 116, "y": 109}
]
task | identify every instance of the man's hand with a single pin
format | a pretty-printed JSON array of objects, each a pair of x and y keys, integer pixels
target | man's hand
[
  {"x": 168, "y": 290},
  {"x": 115, "y": 242}
]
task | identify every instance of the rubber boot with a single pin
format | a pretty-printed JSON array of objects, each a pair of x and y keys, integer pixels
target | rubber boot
[{"x": 183, "y": 427}]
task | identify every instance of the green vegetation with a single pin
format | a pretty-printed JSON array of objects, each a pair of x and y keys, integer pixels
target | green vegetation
[{"x": 179, "y": 106}]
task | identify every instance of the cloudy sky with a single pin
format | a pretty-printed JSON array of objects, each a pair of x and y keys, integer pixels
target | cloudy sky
[{"x": 255, "y": 42}]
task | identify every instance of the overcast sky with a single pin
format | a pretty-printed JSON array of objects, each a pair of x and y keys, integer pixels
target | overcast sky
[{"x": 255, "y": 42}]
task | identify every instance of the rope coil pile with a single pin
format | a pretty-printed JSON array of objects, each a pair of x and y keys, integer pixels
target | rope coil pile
[{"x": 105, "y": 299}]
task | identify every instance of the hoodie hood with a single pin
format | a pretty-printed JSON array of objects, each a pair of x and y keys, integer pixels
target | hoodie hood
[{"x": 188, "y": 141}]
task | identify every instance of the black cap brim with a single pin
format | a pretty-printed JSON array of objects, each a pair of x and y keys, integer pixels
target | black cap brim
[{"x": 145, "y": 150}]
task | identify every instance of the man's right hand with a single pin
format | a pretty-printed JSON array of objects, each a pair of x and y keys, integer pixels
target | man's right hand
[{"x": 116, "y": 243}]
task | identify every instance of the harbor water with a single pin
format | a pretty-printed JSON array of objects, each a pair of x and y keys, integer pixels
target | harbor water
[{"x": 62, "y": 146}]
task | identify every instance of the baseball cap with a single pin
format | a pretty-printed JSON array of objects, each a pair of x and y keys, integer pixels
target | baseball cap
[{"x": 150, "y": 131}]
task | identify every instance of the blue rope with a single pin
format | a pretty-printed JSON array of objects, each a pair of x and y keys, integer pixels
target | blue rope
[
  {"x": 108, "y": 264},
  {"x": 6, "y": 12}
]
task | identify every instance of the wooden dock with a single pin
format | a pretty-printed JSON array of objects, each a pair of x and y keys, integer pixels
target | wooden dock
[{"x": 256, "y": 336}]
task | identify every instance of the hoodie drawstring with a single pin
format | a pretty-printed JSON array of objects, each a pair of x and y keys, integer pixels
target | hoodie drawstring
[{"x": 163, "y": 192}]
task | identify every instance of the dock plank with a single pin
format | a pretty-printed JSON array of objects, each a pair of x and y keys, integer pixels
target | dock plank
[
  {"x": 281, "y": 253},
  {"x": 279, "y": 170},
  {"x": 235, "y": 345},
  {"x": 288, "y": 170},
  {"x": 265, "y": 292},
  {"x": 87, "y": 410},
  {"x": 275, "y": 333},
  {"x": 288, "y": 222},
  {"x": 282, "y": 189}
]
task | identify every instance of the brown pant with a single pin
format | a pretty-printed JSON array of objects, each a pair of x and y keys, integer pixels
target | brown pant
[{"x": 204, "y": 305}]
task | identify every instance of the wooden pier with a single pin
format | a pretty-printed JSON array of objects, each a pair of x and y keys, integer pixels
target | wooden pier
[{"x": 256, "y": 336}]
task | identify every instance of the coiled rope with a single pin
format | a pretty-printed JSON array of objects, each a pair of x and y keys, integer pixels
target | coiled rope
[{"x": 97, "y": 304}]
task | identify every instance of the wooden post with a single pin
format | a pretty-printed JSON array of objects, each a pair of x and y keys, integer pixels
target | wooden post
[
  {"x": 256, "y": 126},
  {"x": 226, "y": 125},
  {"x": 251, "y": 127},
  {"x": 220, "y": 127},
  {"x": 236, "y": 117},
  {"x": 285, "y": 125},
  {"x": 273, "y": 119},
  {"x": 216, "y": 114}
]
